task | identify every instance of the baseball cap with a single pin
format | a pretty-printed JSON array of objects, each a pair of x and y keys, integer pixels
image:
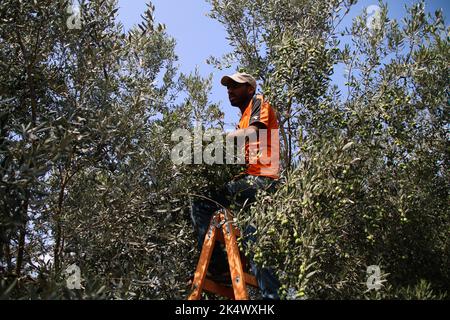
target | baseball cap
[{"x": 239, "y": 77}]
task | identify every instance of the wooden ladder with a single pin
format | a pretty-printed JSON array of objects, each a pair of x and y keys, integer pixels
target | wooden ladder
[{"x": 221, "y": 228}]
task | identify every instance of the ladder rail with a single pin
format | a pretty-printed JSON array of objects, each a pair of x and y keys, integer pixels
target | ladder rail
[{"x": 203, "y": 263}]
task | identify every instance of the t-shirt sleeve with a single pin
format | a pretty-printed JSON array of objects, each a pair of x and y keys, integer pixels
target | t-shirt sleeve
[{"x": 260, "y": 112}]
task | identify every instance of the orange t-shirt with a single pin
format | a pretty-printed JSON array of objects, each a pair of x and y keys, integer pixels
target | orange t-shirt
[{"x": 262, "y": 153}]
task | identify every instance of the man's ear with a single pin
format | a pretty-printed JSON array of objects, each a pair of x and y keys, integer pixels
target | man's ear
[{"x": 250, "y": 90}]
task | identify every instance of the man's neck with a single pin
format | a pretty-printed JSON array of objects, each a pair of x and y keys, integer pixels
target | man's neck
[{"x": 245, "y": 104}]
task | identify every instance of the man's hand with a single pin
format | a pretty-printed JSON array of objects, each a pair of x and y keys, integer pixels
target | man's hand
[{"x": 242, "y": 132}]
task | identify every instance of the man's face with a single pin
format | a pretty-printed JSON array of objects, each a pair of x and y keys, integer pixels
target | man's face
[{"x": 239, "y": 93}]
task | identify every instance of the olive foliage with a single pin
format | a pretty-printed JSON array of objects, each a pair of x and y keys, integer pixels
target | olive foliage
[{"x": 87, "y": 114}]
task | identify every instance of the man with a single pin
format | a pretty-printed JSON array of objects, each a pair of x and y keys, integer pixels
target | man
[{"x": 258, "y": 120}]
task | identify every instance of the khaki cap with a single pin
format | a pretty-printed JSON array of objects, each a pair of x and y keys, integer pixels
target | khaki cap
[{"x": 239, "y": 77}]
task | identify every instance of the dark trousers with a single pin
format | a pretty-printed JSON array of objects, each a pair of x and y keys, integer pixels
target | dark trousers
[{"x": 241, "y": 193}]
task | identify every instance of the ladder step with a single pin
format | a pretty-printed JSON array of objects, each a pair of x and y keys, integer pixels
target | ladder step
[
  {"x": 216, "y": 288},
  {"x": 251, "y": 280}
]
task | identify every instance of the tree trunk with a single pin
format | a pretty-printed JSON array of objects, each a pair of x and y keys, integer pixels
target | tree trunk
[
  {"x": 22, "y": 236},
  {"x": 58, "y": 229}
]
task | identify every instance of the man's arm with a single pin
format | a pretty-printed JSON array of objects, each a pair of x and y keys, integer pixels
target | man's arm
[{"x": 253, "y": 129}]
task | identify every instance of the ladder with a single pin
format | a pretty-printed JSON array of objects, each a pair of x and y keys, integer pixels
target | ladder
[{"x": 221, "y": 229}]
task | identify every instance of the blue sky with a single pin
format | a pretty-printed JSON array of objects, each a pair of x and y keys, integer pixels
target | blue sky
[{"x": 199, "y": 36}]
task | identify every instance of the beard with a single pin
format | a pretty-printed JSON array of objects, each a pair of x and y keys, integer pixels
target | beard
[{"x": 237, "y": 101}]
